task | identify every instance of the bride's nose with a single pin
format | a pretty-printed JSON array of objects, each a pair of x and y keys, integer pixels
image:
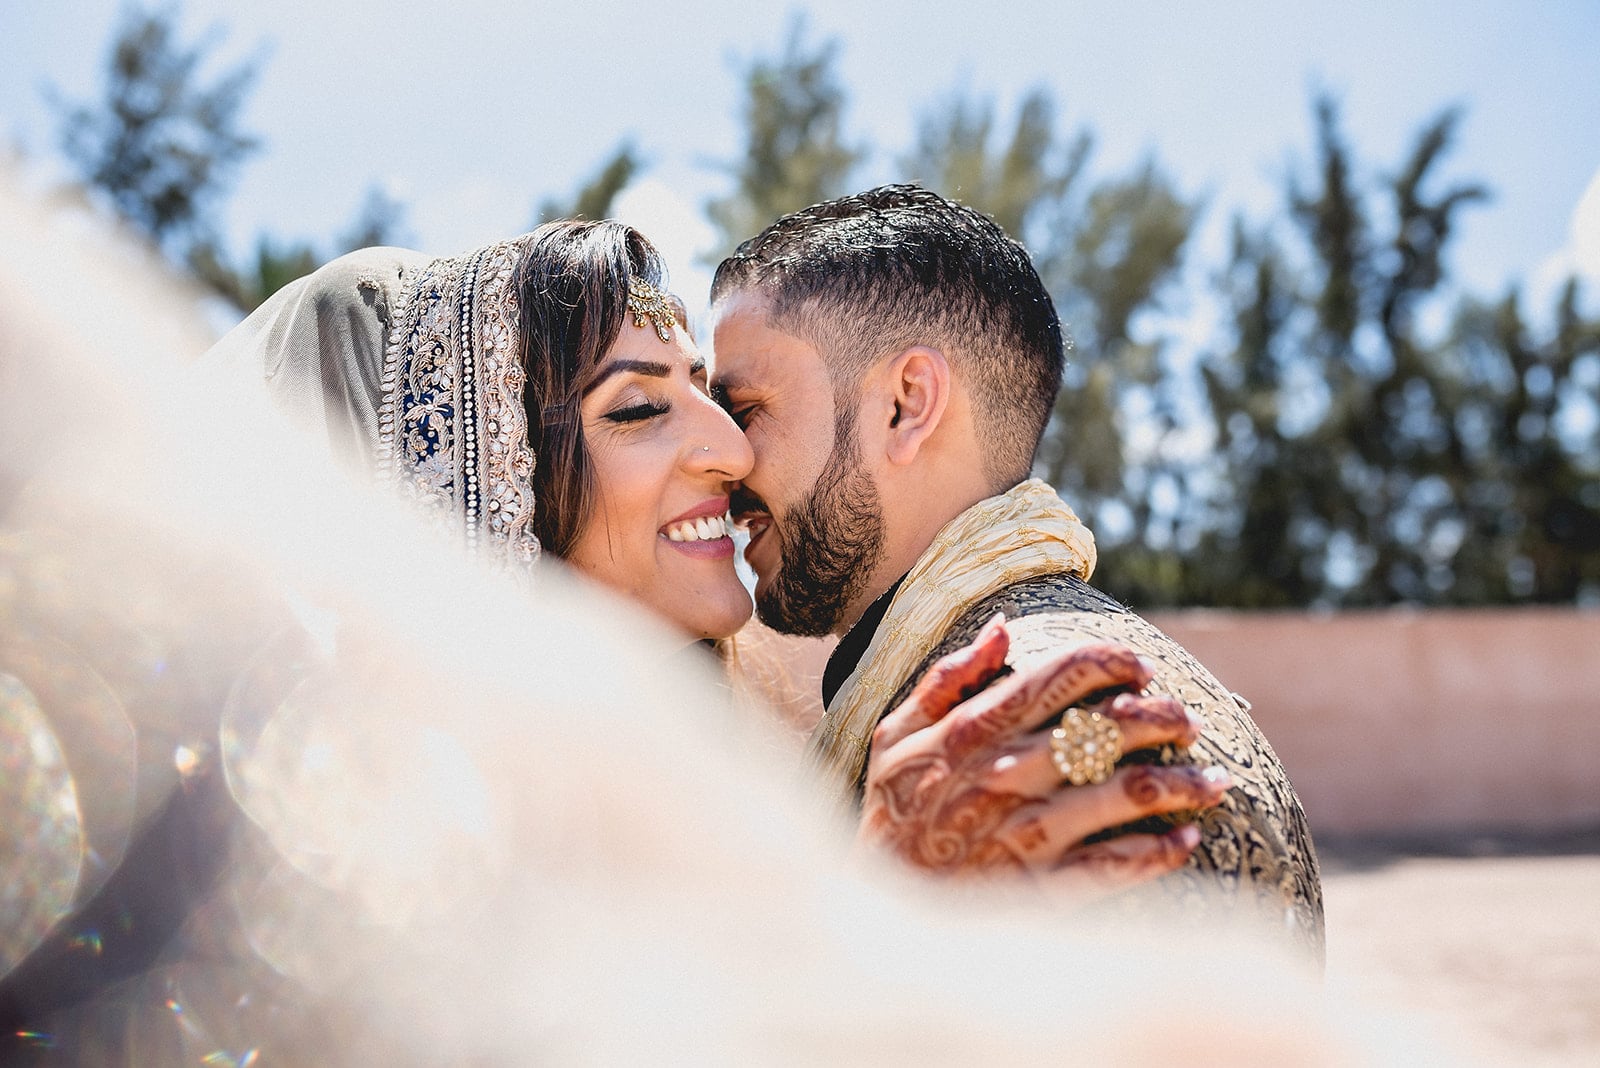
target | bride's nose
[{"x": 716, "y": 445}]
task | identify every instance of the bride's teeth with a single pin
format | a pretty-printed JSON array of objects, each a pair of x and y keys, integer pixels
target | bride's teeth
[{"x": 706, "y": 528}]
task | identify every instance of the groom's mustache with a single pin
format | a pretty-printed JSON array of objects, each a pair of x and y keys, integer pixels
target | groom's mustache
[{"x": 742, "y": 502}]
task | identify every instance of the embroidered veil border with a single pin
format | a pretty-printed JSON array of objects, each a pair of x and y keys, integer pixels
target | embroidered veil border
[{"x": 452, "y": 430}]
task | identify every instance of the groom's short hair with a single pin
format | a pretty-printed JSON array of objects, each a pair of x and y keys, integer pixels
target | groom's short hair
[{"x": 868, "y": 275}]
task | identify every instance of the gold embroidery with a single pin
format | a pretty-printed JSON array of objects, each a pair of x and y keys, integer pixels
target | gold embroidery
[
  {"x": 452, "y": 432},
  {"x": 1255, "y": 848}
]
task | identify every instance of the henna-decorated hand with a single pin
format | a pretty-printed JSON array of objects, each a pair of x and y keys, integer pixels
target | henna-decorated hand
[{"x": 959, "y": 781}]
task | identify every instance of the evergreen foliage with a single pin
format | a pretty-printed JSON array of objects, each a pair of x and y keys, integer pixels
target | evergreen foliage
[
  {"x": 795, "y": 153},
  {"x": 594, "y": 198},
  {"x": 161, "y": 145},
  {"x": 1354, "y": 431}
]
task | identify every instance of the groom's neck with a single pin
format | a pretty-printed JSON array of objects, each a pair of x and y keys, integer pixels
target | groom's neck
[{"x": 910, "y": 525}]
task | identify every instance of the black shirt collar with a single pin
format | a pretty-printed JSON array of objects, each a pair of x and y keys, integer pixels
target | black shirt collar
[{"x": 853, "y": 646}]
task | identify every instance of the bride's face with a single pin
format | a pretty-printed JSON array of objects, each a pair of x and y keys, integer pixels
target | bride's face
[{"x": 663, "y": 454}]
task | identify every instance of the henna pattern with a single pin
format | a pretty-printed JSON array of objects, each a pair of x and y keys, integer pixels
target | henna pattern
[
  {"x": 1143, "y": 785},
  {"x": 951, "y": 680},
  {"x": 1160, "y": 788},
  {"x": 1255, "y": 847},
  {"x": 1030, "y": 835},
  {"x": 975, "y": 730},
  {"x": 1132, "y": 858},
  {"x": 1161, "y": 714},
  {"x": 934, "y": 799},
  {"x": 910, "y": 815}
]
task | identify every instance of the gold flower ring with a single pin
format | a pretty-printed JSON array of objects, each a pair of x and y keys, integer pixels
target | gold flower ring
[{"x": 1086, "y": 747}]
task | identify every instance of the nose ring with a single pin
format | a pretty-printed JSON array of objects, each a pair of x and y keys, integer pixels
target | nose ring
[{"x": 705, "y": 448}]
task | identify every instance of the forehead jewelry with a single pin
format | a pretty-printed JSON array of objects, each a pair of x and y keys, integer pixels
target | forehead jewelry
[{"x": 648, "y": 302}]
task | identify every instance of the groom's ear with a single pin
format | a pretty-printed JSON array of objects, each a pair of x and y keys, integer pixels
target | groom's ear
[{"x": 918, "y": 388}]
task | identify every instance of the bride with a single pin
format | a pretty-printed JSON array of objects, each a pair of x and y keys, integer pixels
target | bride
[{"x": 542, "y": 398}]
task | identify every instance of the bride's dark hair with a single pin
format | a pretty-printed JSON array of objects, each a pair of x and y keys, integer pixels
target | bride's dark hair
[{"x": 572, "y": 282}]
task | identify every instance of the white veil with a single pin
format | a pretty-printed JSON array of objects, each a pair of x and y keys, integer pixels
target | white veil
[{"x": 436, "y": 820}]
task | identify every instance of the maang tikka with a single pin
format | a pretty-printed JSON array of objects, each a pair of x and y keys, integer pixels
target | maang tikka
[{"x": 648, "y": 302}]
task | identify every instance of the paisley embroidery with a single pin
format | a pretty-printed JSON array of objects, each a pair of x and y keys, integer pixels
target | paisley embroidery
[
  {"x": 1255, "y": 848},
  {"x": 452, "y": 430}
]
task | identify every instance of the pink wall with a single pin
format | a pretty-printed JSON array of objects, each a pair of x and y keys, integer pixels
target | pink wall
[
  {"x": 1408, "y": 721},
  {"x": 1395, "y": 722}
]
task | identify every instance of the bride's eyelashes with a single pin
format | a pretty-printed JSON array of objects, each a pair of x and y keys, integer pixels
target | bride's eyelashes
[{"x": 638, "y": 413}]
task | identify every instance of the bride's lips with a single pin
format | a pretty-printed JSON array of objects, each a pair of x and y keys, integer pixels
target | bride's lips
[{"x": 713, "y": 513}]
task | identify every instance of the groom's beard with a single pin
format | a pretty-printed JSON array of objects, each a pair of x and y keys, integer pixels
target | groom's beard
[{"x": 830, "y": 543}]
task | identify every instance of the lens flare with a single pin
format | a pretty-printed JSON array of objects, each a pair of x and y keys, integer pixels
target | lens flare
[{"x": 41, "y": 834}]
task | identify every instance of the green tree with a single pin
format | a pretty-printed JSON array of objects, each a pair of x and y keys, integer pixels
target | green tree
[
  {"x": 1017, "y": 180},
  {"x": 1265, "y": 530},
  {"x": 1526, "y": 476},
  {"x": 278, "y": 261},
  {"x": 163, "y": 143},
  {"x": 1386, "y": 421},
  {"x": 1362, "y": 462},
  {"x": 794, "y": 153},
  {"x": 1123, "y": 254},
  {"x": 595, "y": 197},
  {"x": 161, "y": 148},
  {"x": 380, "y": 220},
  {"x": 1107, "y": 251},
  {"x": 274, "y": 265}
]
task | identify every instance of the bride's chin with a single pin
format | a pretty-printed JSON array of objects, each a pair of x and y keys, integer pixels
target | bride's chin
[{"x": 723, "y": 621}]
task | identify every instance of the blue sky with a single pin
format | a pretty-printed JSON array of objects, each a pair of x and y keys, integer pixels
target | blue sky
[{"x": 470, "y": 116}]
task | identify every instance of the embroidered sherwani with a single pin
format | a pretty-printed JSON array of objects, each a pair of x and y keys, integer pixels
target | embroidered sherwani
[{"x": 1255, "y": 850}]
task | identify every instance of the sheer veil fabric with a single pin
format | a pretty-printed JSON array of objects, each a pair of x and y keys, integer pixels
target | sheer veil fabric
[
  {"x": 484, "y": 828},
  {"x": 412, "y": 367}
]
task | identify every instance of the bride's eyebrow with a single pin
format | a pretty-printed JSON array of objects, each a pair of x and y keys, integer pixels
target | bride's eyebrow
[{"x": 648, "y": 368}]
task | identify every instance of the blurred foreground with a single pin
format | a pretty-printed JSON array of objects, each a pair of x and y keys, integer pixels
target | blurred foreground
[
  {"x": 286, "y": 781},
  {"x": 1487, "y": 938}
]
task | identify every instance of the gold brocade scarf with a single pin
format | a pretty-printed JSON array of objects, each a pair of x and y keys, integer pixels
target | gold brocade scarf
[{"x": 1023, "y": 533}]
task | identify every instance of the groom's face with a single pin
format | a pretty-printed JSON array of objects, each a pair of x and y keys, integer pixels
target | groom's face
[{"x": 811, "y": 508}]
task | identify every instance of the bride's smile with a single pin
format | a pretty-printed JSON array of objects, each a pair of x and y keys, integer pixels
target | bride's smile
[
  {"x": 663, "y": 455},
  {"x": 703, "y": 530}
]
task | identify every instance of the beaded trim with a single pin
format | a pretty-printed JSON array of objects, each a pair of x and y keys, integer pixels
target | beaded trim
[{"x": 452, "y": 431}]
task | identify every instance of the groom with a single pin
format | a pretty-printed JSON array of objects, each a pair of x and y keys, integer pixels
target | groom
[{"x": 893, "y": 358}]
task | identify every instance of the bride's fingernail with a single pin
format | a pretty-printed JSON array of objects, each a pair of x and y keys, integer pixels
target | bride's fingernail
[{"x": 1217, "y": 778}]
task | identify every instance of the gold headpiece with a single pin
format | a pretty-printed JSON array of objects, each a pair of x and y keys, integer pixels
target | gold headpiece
[{"x": 648, "y": 302}]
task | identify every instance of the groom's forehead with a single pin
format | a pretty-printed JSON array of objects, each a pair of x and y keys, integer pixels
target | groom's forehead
[{"x": 750, "y": 353}]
